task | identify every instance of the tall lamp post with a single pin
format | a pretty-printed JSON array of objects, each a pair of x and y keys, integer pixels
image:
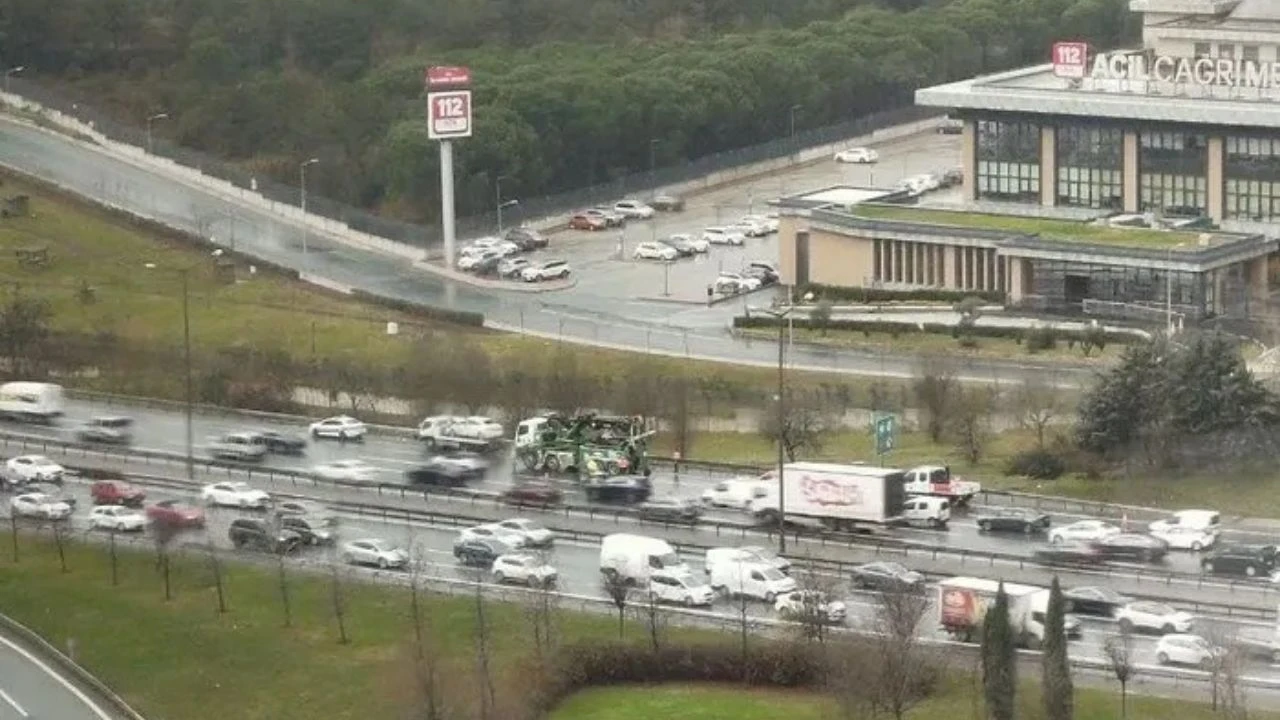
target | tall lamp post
[
  {"x": 151, "y": 120},
  {"x": 498, "y": 204},
  {"x": 302, "y": 183},
  {"x": 793, "y": 110},
  {"x": 183, "y": 273},
  {"x": 9, "y": 74},
  {"x": 779, "y": 314},
  {"x": 653, "y": 161}
]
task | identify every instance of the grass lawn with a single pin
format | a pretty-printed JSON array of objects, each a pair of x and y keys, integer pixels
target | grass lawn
[
  {"x": 1048, "y": 228},
  {"x": 931, "y": 343}
]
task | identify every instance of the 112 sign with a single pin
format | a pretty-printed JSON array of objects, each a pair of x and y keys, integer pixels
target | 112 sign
[
  {"x": 449, "y": 114},
  {"x": 1070, "y": 59}
]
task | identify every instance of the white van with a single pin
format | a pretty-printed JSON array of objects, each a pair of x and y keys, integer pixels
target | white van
[
  {"x": 736, "y": 493},
  {"x": 1206, "y": 520},
  {"x": 753, "y": 580},
  {"x": 934, "y": 512},
  {"x": 680, "y": 587},
  {"x": 635, "y": 557},
  {"x": 31, "y": 401}
]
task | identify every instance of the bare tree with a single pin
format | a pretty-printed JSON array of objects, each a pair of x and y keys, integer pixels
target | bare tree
[
  {"x": 887, "y": 672},
  {"x": 1119, "y": 653},
  {"x": 810, "y": 605},
  {"x": 164, "y": 533},
  {"x": 339, "y": 601},
  {"x": 803, "y": 425},
  {"x": 115, "y": 561},
  {"x": 426, "y": 666},
  {"x": 935, "y": 393},
  {"x": 1224, "y": 665},
  {"x": 215, "y": 568},
  {"x": 654, "y": 618},
  {"x": 13, "y": 534},
  {"x": 282, "y": 579},
  {"x": 1038, "y": 404},
  {"x": 618, "y": 590},
  {"x": 58, "y": 533},
  {"x": 483, "y": 651},
  {"x": 971, "y": 421},
  {"x": 542, "y": 611}
]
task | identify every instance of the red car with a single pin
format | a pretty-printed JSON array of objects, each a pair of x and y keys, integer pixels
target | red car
[
  {"x": 586, "y": 222},
  {"x": 114, "y": 492},
  {"x": 532, "y": 494},
  {"x": 177, "y": 513}
]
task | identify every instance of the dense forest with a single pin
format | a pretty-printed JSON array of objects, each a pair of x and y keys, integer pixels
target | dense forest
[{"x": 568, "y": 92}]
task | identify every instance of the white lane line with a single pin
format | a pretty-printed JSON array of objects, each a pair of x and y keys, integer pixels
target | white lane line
[
  {"x": 89, "y": 703},
  {"x": 9, "y": 699}
]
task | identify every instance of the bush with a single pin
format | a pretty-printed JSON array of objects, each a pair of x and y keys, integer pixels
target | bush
[
  {"x": 1044, "y": 337},
  {"x": 832, "y": 293},
  {"x": 895, "y": 328},
  {"x": 1039, "y": 463}
]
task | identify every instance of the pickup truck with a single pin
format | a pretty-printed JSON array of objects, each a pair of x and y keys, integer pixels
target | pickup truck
[
  {"x": 240, "y": 447},
  {"x": 937, "y": 481}
]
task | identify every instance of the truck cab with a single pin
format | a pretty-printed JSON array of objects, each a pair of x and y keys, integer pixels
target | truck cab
[{"x": 937, "y": 481}]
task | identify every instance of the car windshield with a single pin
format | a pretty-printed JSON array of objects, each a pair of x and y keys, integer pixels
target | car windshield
[
  {"x": 236, "y": 487},
  {"x": 667, "y": 560},
  {"x": 773, "y": 574},
  {"x": 896, "y": 568},
  {"x": 379, "y": 545}
]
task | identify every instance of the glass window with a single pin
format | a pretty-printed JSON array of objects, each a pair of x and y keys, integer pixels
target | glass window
[
  {"x": 1008, "y": 161},
  {"x": 1203, "y": 50},
  {"x": 1227, "y": 52},
  {"x": 1090, "y": 166},
  {"x": 1172, "y": 167},
  {"x": 1251, "y": 170},
  {"x": 1249, "y": 52}
]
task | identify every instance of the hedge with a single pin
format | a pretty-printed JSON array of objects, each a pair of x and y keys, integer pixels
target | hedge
[
  {"x": 897, "y": 327},
  {"x": 874, "y": 295},
  {"x": 429, "y": 312}
]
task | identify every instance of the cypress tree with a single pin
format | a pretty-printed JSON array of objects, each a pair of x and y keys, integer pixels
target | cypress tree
[
  {"x": 999, "y": 660},
  {"x": 1056, "y": 681}
]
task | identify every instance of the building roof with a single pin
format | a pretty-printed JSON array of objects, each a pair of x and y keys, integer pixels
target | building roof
[{"x": 1256, "y": 10}]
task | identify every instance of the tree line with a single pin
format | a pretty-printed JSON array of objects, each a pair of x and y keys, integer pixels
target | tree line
[{"x": 569, "y": 93}]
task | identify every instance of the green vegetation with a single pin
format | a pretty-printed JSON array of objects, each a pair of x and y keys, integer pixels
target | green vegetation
[
  {"x": 568, "y": 93},
  {"x": 1048, "y": 228},
  {"x": 939, "y": 343}
]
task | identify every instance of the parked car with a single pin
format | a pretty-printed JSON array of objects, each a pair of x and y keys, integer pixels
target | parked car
[
  {"x": 531, "y": 532},
  {"x": 618, "y": 488},
  {"x": 176, "y": 513},
  {"x": 55, "y": 492},
  {"x": 511, "y": 268},
  {"x": 348, "y": 471},
  {"x": 655, "y": 251},
  {"x": 341, "y": 427},
  {"x": 887, "y": 576},
  {"x": 374, "y": 551},
  {"x": 478, "y": 553},
  {"x": 680, "y": 587},
  {"x": 770, "y": 221},
  {"x": 857, "y": 155},
  {"x": 1145, "y": 615},
  {"x": 610, "y": 217},
  {"x": 1068, "y": 553},
  {"x": 1186, "y": 537},
  {"x": 116, "y": 492},
  {"x": 723, "y": 236},
  {"x": 235, "y": 494},
  {"x": 33, "y": 468},
  {"x": 282, "y": 443},
  {"x": 117, "y": 518},
  {"x": 524, "y": 568},
  {"x": 526, "y": 238},
  {"x": 583, "y": 221},
  {"x": 1013, "y": 519},
  {"x": 546, "y": 270},
  {"x": 952, "y": 177},
  {"x": 730, "y": 283},
  {"x": 667, "y": 203},
  {"x": 669, "y": 510},
  {"x": 532, "y": 493},
  {"x": 1083, "y": 530},
  {"x": 1132, "y": 546},
  {"x": 313, "y": 530},
  {"x": 1095, "y": 601},
  {"x": 261, "y": 535},
  {"x": 765, "y": 276},
  {"x": 749, "y": 228},
  {"x": 39, "y": 505},
  {"x": 482, "y": 245},
  {"x": 1247, "y": 560},
  {"x": 687, "y": 245},
  {"x": 811, "y": 605},
  {"x": 633, "y": 209},
  {"x": 483, "y": 264},
  {"x": 107, "y": 430},
  {"x": 1182, "y": 649},
  {"x": 507, "y": 249}
]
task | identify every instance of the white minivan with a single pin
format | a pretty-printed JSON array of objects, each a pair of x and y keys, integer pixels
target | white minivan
[
  {"x": 635, "y": 557},
  {"x": 934, "y": 512},
  {"x": 737, "y": 493},
  {"x": 1206, "y": 520},
  {"x": 753, "y": 580}
]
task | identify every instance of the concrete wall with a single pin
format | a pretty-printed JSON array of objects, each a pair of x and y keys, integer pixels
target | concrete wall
[
  {"x": 969, "y": 160},
  {"x": 787, "y": 228},
  {"x": 840, "y": 259}
]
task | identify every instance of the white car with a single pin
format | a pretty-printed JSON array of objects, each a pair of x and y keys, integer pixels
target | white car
[
  {"x": 1186, "y": 538},
  {"x": 491, "y": 532},
  {"x": 1083, "y": 531},
  {"x": 1154, "y": 616},
  {"x": 374, "y": 551},
  {"x": 482, "y": 245},
  {"x": 913, "y": 186},
  {"x": 730, "y": 283},
  {"x": 681, "y": 587},
  {"x": 39, "y": 505},
  {"x": 736, "y": 493},
  {"x": 799, "y": 604},
  {"x": 633, "y": 209},
  {"x": 1207, "y": 520},
  {"x": 770, "y": 222},
  {"x": 698, "y": 244},
  {"x": 352, "y": 471},
  {"x": 1186, "y": 650},
  {"x": 512, "y": 267},
  {"x": 342, "y": 427},
  {"x": 478, "y": 427},
  {"x": 859, "y": 155},
  {"x": 654, "y": 251},
  {"x": 749, "y": 228},
  {"x": 33, "y": 468},
  {"x": 117, "y": 518},
  {"x": 723, "y": 236},
  {"x": 523, "y": 568},
  {"x": 546, "y": 270},
  {"x": 471, "y": 262},
  {"x": 235, "y": 494},
  {"x": 534, "y": 533}
]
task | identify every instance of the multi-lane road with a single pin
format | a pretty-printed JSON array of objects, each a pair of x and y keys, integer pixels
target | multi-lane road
[{"x": 32, "y": 689}]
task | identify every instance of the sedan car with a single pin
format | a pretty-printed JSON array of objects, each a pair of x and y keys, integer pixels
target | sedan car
[
  {"x": 107, "y": 430},
  {"x": 1187, "y": 538},
  {"x": 612, "y": 218},
  {"x": 468, "y": 464},
  {"x": 235, "y": 494},
  {"x": 886, "y": 576},
  {"x": 655, "y": 251},
  {"x": 33, "y": 468},
  {"x": 1153, "y": 617},
  {"x": 686, "y": 244},
  {"x": 314, "y": 530},
  {"x": 56, "y": 492},
  {"x": 117, "y": 518},
  {"x": 633, "y": 209},
  {"x": 857, "y": 155},
  {"x": 749, "y": 228},
  {"x": 493, "y": 531},
  {"x": 1013, "y": 519},
  {"x": 115, "y": 492},
  {"x": 534, "y": 533},
  {"x": 730, "y": 283},
  {"x": 374, "y": 551},
  {"x": 1068, "y": 553},
  {"x": 1084, "y": 530},
  {"x": 526, "y": 238},
  {"x": 341, "y": 427},
  {"x": 1132, "y": 546},
  {"x": 482, "y": 264},
  {"x": 176, "y": 513},
  {"x": 669, "y": 510},
  {"x": 39, "y": 505},
  {"x": 301, "y": 507},
  {"x": 770, "y": 222},
  {"x": 523, "y": 568},
  {"x": 546, "y": 270},
  {"x": 583, "y": 221},
  {"x": 283, "y": 443},
  {"x": 804, "y": 605},
  {"x": 1096, "y": 601},
  {"x": 1184, "y": 649},
  {"x": 723, "y": 236},
  {"x": 681, "y": 587},
  {"x": 349, "y": 471},
  {"x": 532, "y": 494},
  {"x": 478, "y": 553},
  {"x": 1247, "y": 560},
  {"x": 667, "y": 203}
]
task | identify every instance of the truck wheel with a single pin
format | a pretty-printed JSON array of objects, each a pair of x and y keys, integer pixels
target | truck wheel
[
  {"x": 984, "y": 526},
  {"x": 553, "y": 463},
  {"x": 1162, "y": 658},
  {"x": 1250, "y": 571}
]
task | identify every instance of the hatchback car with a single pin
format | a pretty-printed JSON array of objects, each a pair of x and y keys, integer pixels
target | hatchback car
[
  {"x": 341, "y": 427},
  {"x": 546, "y": 270},
  {"x": 667, "y": 203},
  {"x": 886, "y": 576},
  {"x": 526, "y": 238},
  {"x": 1184, "y": 649},
  {"x": 670, "y": 510},
  {"x": 680, "y": 587},
  {"x": 723, "y": 236},
  {"x": 115, "y": 492},
  {"x": 117, "y": 518},
  {"x": 374, "y": 551},
  {"x": 1013, "y": 519},
  {"x": 811, "y": 605},
  {"x": 525, "y": 568},
  {"x": 857, "y": 155},
  {"x": 1096, "y": 601},
  {"x": 1154, "y": 617},
  {"x": 478, "y": 553},
  {"x": 1247, "y": 560},
  {"x": 655, "y": 251},
  {"x": 532, "y": 494}
]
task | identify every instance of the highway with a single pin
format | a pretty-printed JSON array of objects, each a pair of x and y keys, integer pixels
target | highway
[
  {"x": 31, "y": 689},
  {"x": 158, "y": 192}
]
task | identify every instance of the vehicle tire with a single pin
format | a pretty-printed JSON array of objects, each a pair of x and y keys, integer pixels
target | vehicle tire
[
  {"x": 1167, "y": 629},
  {"x": 1126, "y": 625},
  {"x": 1162, "y": 658},
  {"x": 1055, "y": 540},
  {"x": 382, "y": 563},
  {"x": 1250, "y": 571},
  {"x": 553, "y": 463},
  {"x": 533, "y": 582},
  {"x": 984, "y": 526},
  {"x": 499, "y": 577},
  {"x": 770, "y": 597},
  {"x": 1196, "y": 546},
  {"x": 346, "y": 558},
  {"x": 342, "y": 436}
]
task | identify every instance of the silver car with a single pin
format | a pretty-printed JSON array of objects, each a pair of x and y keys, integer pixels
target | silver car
[{"x": 374, "y": 551}]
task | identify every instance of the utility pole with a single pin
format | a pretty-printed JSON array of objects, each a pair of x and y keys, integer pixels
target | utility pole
[
  {"x": 782, "y": 419},
  {"x": 9, "y": 74},
  {"x": 794, "y": 108},
  {"x": 498, "y": 203},
  {"x": 186, "y": 353},
  {"x": 302, "y": 183},
  {"x": 150, "y": 121}
]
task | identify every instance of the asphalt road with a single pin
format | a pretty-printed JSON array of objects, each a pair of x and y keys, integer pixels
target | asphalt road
[
  {"x": 578, "y": 314},
  {"x": 30, "y": 689}
]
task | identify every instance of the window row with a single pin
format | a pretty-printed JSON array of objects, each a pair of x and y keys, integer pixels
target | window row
[
  {"x": 1252, "y": 200},
  {"x": 1179, "y": 195},
  {"x": 1008, "y": 181},
  {"x": 1093, "y": 188},
  {"x": 911, "y": 263}
]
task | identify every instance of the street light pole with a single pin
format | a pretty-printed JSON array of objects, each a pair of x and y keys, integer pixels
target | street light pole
[
  {"x": 497, "y": 200},
  {"x": 782, "y": 419},
  {"x": 794, "y": 108},
  {"x": 10, "y": 73},
  {"x": 653, "y": 161},
  {"x": 186, "y": 352},
  {"x": 150, "y": 120},
  {"x": 302, "y": 183}
]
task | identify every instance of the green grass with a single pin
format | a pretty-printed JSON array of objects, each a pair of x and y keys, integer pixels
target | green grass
[
  {"x": 1048, "y": 228},
  {"x": 930, "y": 343}
]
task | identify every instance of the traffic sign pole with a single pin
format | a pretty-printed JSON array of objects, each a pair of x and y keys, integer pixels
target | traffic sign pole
[
  {"x": 446, "y": 201},
  {"x": 448, "y": 119}
]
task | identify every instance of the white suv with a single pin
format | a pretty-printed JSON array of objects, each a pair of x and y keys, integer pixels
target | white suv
[
  {"x": 680, "y": 587},
  {"x": 730, "y": 283},
  {"x": 633, "y": 209},
  {"x": 860, "y": 155},
  {"x": 723, "y": 236},
  {"x": 655, "y": 251},
  {"x": 548, "y": 270},
  {"x": 523, "y": 568}
]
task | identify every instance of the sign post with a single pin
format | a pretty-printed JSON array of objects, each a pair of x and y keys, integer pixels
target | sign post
[
  {"x": 1070, "y": 59},
  {"x": 886, "y": 428},
  {"x": 448, "y": 119}
]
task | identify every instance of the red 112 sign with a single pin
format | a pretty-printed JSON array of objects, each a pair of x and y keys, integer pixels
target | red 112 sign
[
  {"x": 449, "y": 114},
  {"x": 1070, "y": 59}
]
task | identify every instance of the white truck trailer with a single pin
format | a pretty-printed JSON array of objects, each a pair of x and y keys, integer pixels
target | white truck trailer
[
  {"x": 840, "y": 497},
  {"x": 963, "y": 603},
  {"x": 31, "y": 401}
]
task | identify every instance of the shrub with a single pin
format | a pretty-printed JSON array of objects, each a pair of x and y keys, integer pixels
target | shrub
[
  {"x": 896, "y": 328},
  {"x": 1039, "y": 463},
  {"x": 832, "y": 293},
  {"x": 430, "y": 312},
  {"x": 1040, "y": 338}
]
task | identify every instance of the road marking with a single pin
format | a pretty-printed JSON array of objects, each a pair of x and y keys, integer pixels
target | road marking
[
  {"x": 9, "y": 699},
  {"x": 89, "y": 703}
]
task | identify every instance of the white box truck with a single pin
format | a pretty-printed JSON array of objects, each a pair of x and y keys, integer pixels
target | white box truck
[
  {"x": 31, "y": 401},
  {"x": 634, "y": 557},
  {"x": 840, "y": 497},
  {"x": 963, "y": 603}
]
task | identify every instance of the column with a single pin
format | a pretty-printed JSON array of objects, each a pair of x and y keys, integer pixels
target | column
[
  {"x": 969, "y": 156},
  {"x": 941, "y": 276},
  {"x": 909, "y": 250},
  {"x": 1130, "y": 171},
  {"x": 1048, "y": 166},
  {"x": 1015, "y": 280},
  {"x": 897, "y": 261},
  {"x": 957, "y": 266},
  {"x": 1213, "y": 177},
  {"x": 1257, "y": 281}
]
